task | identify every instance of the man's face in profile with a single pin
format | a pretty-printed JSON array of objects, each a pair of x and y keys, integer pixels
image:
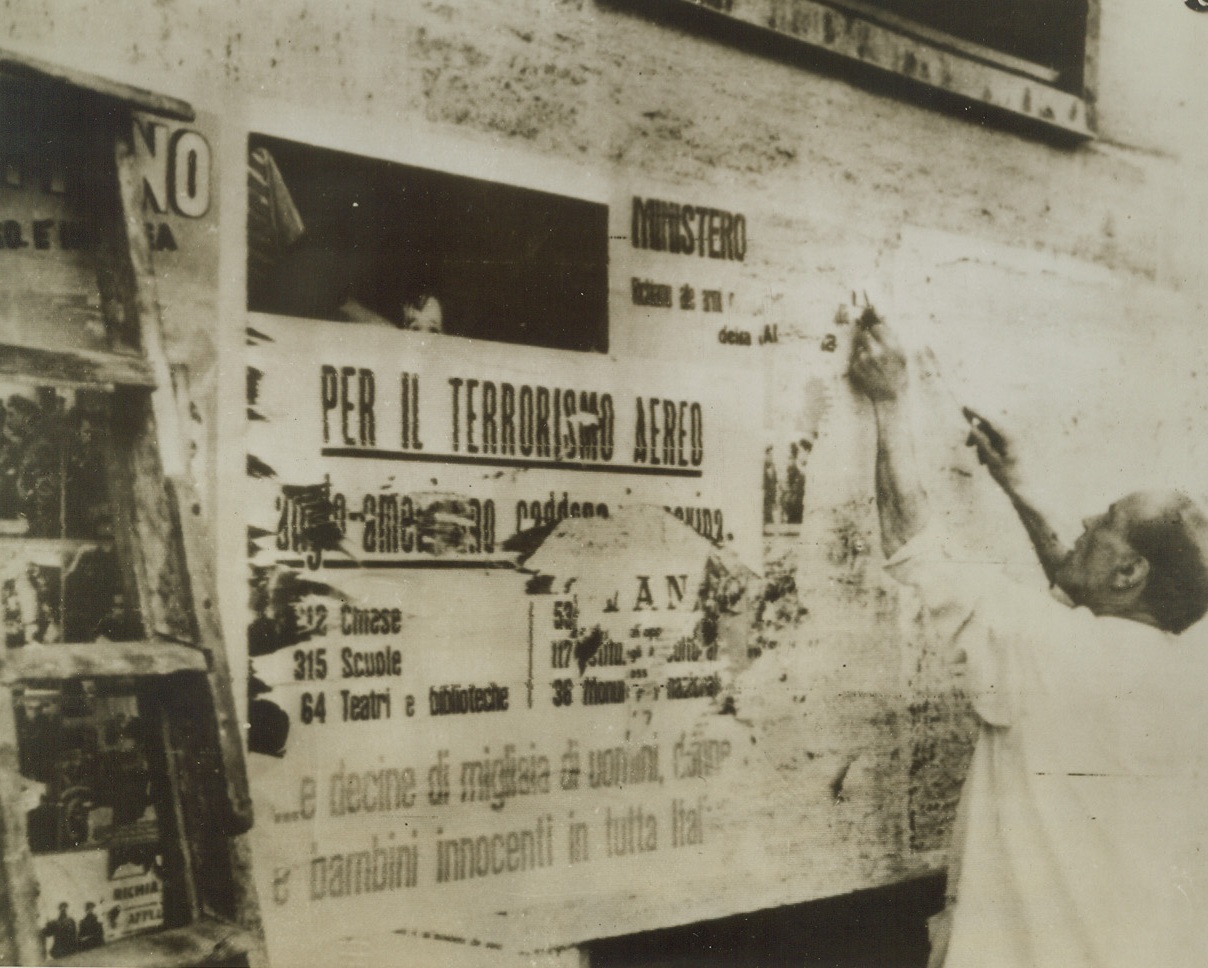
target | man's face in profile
[
  {"x": 1088, "y": 572},
  {"x": 1098, "y": 571}
]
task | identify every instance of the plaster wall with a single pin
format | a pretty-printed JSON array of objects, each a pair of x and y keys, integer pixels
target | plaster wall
[{"x": 1058, "y": 287}]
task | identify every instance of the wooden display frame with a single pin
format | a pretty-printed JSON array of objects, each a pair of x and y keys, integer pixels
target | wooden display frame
[{"x": 180, "y": 663}]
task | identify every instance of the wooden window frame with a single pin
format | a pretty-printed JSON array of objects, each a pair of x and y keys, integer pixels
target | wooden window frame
[{"x": 920, "y": 61}]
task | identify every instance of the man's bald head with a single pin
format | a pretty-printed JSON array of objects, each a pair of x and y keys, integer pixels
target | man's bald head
[
  {"x": 1170, "y": 531},
  {"x": 1145, "y": 558}
]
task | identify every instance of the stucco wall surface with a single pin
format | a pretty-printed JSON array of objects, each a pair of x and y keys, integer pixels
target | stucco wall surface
[{"x": 1056, "y": 286}]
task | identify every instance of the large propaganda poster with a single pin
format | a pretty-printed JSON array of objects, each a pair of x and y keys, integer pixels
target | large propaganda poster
[{"x": 499, "y": 579}]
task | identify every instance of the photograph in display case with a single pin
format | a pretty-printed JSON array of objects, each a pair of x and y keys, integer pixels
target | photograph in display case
[
  {"x": 85, "y": 751},
  {"x": 52, "y": 468}
]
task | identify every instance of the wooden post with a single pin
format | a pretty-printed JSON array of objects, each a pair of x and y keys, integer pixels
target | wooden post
[
  {"x": 23, "y": 943},
  {"x": 183, "y": 511}
]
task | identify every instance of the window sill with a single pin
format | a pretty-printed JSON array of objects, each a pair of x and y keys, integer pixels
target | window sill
[
  {"x": 91, "y": 660},
  {"x": 74, "y": 367}
]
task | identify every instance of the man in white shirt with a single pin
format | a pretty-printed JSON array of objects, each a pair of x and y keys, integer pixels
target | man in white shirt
[{"x": 1082, "y": 836}]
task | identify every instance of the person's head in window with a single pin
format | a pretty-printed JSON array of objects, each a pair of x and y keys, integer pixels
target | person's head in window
[
  {"x": 419, "y": 307},
  {"x": 423, "y": 313},
  {"x": 21, "y": 417}
]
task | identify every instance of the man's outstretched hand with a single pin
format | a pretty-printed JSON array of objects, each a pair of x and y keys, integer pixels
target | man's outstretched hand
[
  {"x": 994, "y": 449},
  {"x": 878, "y": 365}
]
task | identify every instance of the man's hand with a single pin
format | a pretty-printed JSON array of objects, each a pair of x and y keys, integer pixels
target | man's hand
[
  {"x": 878, "y": 370},
  {"x": 994, "y": 449},
  {"x": 878, "y": 366}
]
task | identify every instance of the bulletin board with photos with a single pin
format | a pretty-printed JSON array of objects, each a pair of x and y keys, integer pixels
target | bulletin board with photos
[
  {"x": 85, "y": 746},
  {"x": 119, "y": 803}
]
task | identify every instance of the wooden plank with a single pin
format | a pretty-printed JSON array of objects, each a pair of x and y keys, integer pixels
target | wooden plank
[
  {"x": 15, "y": 544},
  {"x": 145, "y": 519},
  {"x": 194, "y": 590},
  {"x": 1090, "y": 62},
  {"x": 77, "y": 368},
  {"x": 145, "y": 303},
  {"x": 197, "y": 595},
  {"x": 200, "y": 575},
  {"x": 19, "y": 892},
  {"x": 140, "y": 99},
  {"x": 207, "y": 942},
  {"x": 245, "y": 900},
  {"x": 95, "y": 660},
  {"x": 181, "y": 858}
]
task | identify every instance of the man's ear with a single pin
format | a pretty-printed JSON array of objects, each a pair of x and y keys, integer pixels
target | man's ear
[{"x": 1131, "y": 574}]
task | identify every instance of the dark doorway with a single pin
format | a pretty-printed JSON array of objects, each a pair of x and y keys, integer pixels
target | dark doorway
[{"x": 883, "y": 928}]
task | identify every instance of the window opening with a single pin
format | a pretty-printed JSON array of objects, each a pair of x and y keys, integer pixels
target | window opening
[{"x": 346, "y": 238}]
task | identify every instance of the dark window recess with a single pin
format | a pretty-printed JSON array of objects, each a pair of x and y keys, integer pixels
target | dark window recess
[
  {"x": 1050, "y": 34},
  {"x": 338, "y": 236}
]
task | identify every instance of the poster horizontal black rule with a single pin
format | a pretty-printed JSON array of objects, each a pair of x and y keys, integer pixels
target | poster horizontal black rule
[
  {"x": 365, "y": 416},
  {"x": 488, "y": 423},
  {"x": 531, "y": 425}
]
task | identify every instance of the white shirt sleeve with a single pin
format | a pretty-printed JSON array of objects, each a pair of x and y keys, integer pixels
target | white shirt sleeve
[{"x": 984, "y": 618}]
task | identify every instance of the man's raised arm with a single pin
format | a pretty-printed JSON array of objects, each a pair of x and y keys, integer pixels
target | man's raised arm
[{"x": 879, "y": 371}]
